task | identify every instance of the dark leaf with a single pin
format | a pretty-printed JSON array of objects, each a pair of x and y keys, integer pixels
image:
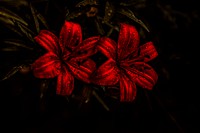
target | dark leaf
[
  {"x": 10, "y": 25},
  {"x": 87, "y": 2},
  {"x": 26, "y": 31},
  {"x": 100, "y": 100},
  {"x": 128, "y": 13},
  {"x": 37, "y": 25},
  {"x": 110, "y": 32},
  {"x": 12, "y": 72},
  {"x": 9, "y": 14},
  {"x": 43, "y": 20},
  {"x": 134, "y": 3},
  {"x": 10, "y": 49},
  {"x": 15, "y": 3},
  {"x": 39, "y": 1},
  {"x": 108, "y": 24},
  {"x": 39, "y": 17},
  {"x": 109, "y": 12},
  {"x": 85, "y": 96},
  {"x": 73, "y": 15},
  {"x": 99, "y": 27},
  {"x": 17, "y": 43},
  {"x": 43, "y": 88}
]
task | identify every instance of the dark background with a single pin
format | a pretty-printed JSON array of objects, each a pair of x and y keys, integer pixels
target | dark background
[{"x": 171, "y": 107}]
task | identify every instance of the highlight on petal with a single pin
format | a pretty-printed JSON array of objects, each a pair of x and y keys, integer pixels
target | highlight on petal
[
  {"x": 48, "y": 40},
  {"x": 128, "y": 41},
  {"x": 108, "y": 47},
  {"x": 70, "y": 35},
  {"x": 47, "y": 66},
  {"x": 148, "y": 52},
  {"x": 65, "y": 82},
  {"x": 107, "y": 74},
  {"x": 127, "y": 88},
  {"x": 143, "y": 75}
]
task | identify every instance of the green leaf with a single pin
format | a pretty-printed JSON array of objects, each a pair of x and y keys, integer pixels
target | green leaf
[
  {"x": 37, "y": 25},
  {"x": 133, "y": 3},
  {"x": 10, "y": 49},
  {"x": 10, "y": 25},
  {"x": 15, "y": 3},
  {"x": 128, "y": 13},
  {"x": 39, "y": 1},
  {"x": 73, "y": 15},
  {"x": 109, "y": 12},
  {"x": 17, "y": 27},
  {"x": 87, "y": 2},
  {"x": 9, "y": 14},
  {"x": 12, "y": 72},
  {"x": 26, "y": 31},
  {"x": 43, "y": 20},
  {"x": 37, "y": 16},
  {"x": 99, "y": 27},
  {"x": 43, "y": 87},
  {"x": 17, "y": 43},
  {"x": 110, "y": 32},
  {"x": 15, "y": 23},
  {"x": 100, "y": 100},
  {"x": 108, "y": 24}
]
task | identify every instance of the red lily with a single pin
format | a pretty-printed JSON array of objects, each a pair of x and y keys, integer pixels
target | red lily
[
  {"x": 127, "y": 63},
  {"x": 60, "y": 60}
]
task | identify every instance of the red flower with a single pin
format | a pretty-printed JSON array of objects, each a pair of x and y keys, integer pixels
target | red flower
[
  {"x": 60, "y": 60},
  {"x": 127, "y": 63}
]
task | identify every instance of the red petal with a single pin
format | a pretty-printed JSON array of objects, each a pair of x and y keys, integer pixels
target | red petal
[
  {"x": 128, "y": 41},
  {"x": 47, "y": 66},
  {"x": 107, "y": 47},
  {"x": 127, "y": 89},
  {"x": 148, "y": 52},
  {"x": 106, "y": 74},
  {"x": 81, "y": 72},
  {"x": 90, "y": 64},
  {"x": 86, "y": 48},
  {"x": 143, "y": 75},
  {"x": 70, "y": 35},
  {"x": 65, "y": 83},
  {"x": 48, "y": 40}
]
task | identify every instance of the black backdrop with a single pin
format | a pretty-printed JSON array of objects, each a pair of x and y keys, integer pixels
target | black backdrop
[{"x": 173, "y": 104}]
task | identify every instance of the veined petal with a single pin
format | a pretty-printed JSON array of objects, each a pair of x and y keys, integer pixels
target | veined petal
[
  {"x": 106, "y": 74},
  {"x": 142, "y": 74},
  {"x": 82, "y": 71},
  {"x": 148, "y": 52},
  {"x": 70, "y": 35},
  {"x": 47, "y": 66},
  {"x": 108, "y": 47},
  {"x": 48, "y": 40},
  {"x": 128, "y": 41},
  {"x": 65, "y": 82},
  {"x": 86, "y": 48},
  {"x": 127, "y": 88},
  {"x": 90, "y": 64}
]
